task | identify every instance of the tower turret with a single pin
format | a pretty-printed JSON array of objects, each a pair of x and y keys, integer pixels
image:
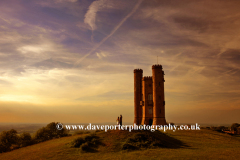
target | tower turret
[
  {"x": 138, "y": 73},
  {"x": 147, "y": 107},
  {"x": 158, "y": 95}
]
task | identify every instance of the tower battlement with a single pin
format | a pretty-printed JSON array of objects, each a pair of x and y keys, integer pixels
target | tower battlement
[
  {"x": 138, "y": 70},
  {"x": 156, "y": 66},
  {"x": 147, "y": 78}
]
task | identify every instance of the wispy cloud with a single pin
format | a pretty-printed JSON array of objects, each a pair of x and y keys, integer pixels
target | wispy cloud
[
  {"x": 100, "y": 55},
  {"x": 90, "y": 16},
  {"x": 112, "y": 32}
]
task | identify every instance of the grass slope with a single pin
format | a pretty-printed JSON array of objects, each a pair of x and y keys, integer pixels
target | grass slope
[{"x": 203, "y": 144}]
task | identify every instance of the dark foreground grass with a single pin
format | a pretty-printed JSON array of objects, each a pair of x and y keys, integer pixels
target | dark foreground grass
[
  {"x": 89, "y": 143},
  {"x": 146, "y": 140},
  {"x": 203, "y": 144}
]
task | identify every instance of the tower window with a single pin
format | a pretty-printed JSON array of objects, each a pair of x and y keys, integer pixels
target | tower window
[
  {"x": 150, "y": 111},
  {"x": 150, "y": 97},
  {"x": 159, "y": 83}
]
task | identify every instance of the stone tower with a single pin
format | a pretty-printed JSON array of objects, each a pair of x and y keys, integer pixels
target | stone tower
[
  {"x": 158, "y": 95},
  {"x": 149, "y": 103},
  {"x": 137, "y": 95}
]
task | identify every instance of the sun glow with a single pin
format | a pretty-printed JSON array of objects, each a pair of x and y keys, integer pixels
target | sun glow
[{"x": 17, "y": 98}]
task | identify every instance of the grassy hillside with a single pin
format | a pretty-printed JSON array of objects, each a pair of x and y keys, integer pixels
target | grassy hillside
[{"x": 188, "y": 145}]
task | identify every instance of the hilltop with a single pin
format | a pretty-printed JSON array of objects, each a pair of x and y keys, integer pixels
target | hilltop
[{"x": 180, "y": 144}]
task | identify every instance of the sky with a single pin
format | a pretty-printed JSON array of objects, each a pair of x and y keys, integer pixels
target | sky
[{"x": 72, "y": 61}]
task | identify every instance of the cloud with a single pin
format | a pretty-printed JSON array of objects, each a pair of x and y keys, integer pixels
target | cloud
[
  {"x": 112, "y": 32},
  {"x": 51, "y": 64},
  {"x": 90, "y": 16},
  {"x": 100, "y": 55},
  {"x": 47, "y": 56}
]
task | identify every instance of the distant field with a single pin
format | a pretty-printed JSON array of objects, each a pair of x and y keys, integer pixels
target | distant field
[
  {"x": 30, "y": 128},
  {"x": 203, "y": 144}
]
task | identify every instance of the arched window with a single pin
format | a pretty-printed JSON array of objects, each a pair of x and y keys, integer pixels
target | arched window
[{"x": 150, "y": 99}]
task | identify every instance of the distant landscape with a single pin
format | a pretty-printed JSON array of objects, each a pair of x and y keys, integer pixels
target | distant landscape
[{"x": 32, "y": 128}]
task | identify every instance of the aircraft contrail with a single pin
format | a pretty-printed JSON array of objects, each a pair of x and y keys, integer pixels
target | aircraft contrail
[{"x": 112, "y": 32}]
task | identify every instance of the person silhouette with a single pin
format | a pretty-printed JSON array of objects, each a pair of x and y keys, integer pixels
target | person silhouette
[
  {"x": 117, "y": 121},
  {"x": 120, "y": 120}
]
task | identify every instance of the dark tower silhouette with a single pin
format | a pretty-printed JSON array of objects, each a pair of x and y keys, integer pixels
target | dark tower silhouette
[
  {"x": 158, "y": 95},
  {"x": 137, "y": 95},
  {"x": 147, "y": 101}
]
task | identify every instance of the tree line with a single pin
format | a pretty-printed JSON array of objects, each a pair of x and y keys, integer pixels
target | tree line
[{"x": 10, "y": 140}]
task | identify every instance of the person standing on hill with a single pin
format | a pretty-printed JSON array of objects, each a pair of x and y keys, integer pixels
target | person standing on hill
[
  {"x": 120, "y": 120},
  {"x": 117, "y": 121}
]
